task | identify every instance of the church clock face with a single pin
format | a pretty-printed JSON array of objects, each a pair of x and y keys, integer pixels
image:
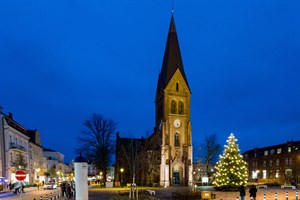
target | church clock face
[{"x": 177, "y": 123}]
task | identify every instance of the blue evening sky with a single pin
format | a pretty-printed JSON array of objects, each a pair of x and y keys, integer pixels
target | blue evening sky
[{"x": 62, "y": 60}]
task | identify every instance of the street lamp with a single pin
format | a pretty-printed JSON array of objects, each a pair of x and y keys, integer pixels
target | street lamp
[
  {"x": 38, "y": 174},
  {"x": 58, "y": 173},
  {"x": 122, "y": 170},
  {"x": 101, "y": 179}
]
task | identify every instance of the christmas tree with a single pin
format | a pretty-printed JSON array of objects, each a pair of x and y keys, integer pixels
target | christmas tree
[{"x": 231, "y": 169}]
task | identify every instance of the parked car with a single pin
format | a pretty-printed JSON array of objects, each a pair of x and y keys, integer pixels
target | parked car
[{"x": 49, "y": 186}]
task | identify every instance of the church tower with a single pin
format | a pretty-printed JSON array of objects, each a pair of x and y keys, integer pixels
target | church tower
[{"x": 173, "y": 116}]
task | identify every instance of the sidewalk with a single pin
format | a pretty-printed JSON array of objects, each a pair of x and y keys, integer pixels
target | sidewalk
[{"x": 31, "y": 193}]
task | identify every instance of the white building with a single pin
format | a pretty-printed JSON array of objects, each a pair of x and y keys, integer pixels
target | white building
[
  {"x": 14, "y": 145},
  {"x": 55, "y": 167}
]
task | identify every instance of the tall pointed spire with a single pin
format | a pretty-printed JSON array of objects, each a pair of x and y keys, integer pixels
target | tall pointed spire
[{"x": 172, "y": 59}]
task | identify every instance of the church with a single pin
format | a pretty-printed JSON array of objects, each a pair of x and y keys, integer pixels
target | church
[{"x": 165, "y": 157}]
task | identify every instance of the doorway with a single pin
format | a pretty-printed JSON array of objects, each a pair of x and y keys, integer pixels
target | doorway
[{"x": 176, "y": 177}]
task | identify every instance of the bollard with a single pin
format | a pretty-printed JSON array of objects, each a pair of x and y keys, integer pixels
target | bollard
[
  {"x": 50, "y": 195},
  {"x": 237, "y": 198},
  {"x": 297, "y": 195},
  {"x": 46, "y": 197},
  {"x": 264, "y": 196},
  {"x": 287, "y": 196},
  {"x": 275, "y": 195},
  {"x": 251, "y": 198},
  {"x": 41, "y": 198}
]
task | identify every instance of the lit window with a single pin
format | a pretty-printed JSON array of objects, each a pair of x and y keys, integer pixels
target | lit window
[
  {"x": 289, "y": 149},
  {"x": 279, "y": 151},
  {"x": 266, "y": 153},
  {"x": 277, "y": 175},
  {"x": 254, "y": 174},
  {"x": 264, "y": 174}
]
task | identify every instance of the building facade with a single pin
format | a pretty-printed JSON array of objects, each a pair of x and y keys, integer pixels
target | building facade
[
  {"x": 274, "y": 164},
  {"x": 55, "y": 168},
  {"x": 35, "y": 157},
  {"x": 173, "y": 116},
  {"x": 166, "y": 155},
  {"x": 15, "y": 148}
]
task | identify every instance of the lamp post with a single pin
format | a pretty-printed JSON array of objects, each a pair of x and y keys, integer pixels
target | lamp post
[
  {"x": 122, "y": 170},
  {"x": 58, "y": 173}
]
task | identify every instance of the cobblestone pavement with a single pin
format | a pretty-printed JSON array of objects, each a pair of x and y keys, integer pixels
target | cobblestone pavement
[{"x": 160, "y": 193}]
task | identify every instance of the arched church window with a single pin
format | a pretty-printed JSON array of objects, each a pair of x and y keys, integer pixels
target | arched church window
[
  {"x": 173, "y": 107},
  {"x": 180, "y": 108},
  {"x": 176, "y": 142},
  {"x": 177, "y": 87}
]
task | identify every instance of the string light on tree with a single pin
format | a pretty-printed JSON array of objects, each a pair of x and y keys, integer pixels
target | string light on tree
[{"x": 231, "y": 169}]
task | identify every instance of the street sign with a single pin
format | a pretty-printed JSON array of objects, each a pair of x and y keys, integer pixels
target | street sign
[{"x": 20, "y": 175}]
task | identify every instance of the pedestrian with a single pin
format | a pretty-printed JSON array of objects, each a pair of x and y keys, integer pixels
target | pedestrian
[
  {"x": 68, "y": 190},
  {"x": 252, "y": 192},
  {"x": 10, "y": 187},
  {"x": 242, "y": 192},
  {"x": 63, "y": 189}
]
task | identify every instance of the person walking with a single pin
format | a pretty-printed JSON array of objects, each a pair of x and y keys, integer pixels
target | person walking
[
  {"x": 252, "y": 192},
  {"x": 242, "y": 192}
]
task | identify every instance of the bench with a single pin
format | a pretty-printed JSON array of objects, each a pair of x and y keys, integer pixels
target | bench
[
  {"x": 151, "y": 192},
  {"x": 174, "y": 195},
  {"x": 123, "y": 192},
  {"x": 288, "y": 186},
  {"x": 129, "y": 184},
  {"x": 261, "y": 186},
  {"x": 207, "y": 195}
]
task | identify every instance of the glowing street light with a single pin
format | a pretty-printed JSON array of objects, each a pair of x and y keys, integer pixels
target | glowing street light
[{"x": 122, "y": 170}]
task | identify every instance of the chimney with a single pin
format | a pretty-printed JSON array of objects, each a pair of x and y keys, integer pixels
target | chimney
[{"x": 10, "y": 115}]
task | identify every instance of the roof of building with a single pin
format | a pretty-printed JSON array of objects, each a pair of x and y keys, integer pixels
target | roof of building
[
  {"x": 12, "y": 123},
  {"x": 33, "y": 136},
  {"x": 294, "y": 144},
  {"x": 172, "y": 59},
  {"x": 46, "y": 149}
]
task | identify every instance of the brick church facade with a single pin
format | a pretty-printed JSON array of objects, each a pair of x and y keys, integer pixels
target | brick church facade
[{"x": 164, "y": 158}]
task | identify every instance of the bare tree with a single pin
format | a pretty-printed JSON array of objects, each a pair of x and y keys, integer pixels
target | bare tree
[
  {"x": 153, "y": 159},
  {"x": 134, "y": 156},
  {"x": 209, "y": 150},
  {"x": 96, "y": 142}
]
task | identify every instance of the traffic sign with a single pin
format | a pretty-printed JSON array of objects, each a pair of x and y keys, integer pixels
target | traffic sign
[{"x": 20, "y": 175}]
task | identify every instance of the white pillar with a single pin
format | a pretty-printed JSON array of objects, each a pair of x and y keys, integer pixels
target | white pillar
[{"x": 81, "y": 183}]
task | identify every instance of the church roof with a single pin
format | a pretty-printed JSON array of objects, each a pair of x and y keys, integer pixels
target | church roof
[{"x": 172, "y": 59}]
